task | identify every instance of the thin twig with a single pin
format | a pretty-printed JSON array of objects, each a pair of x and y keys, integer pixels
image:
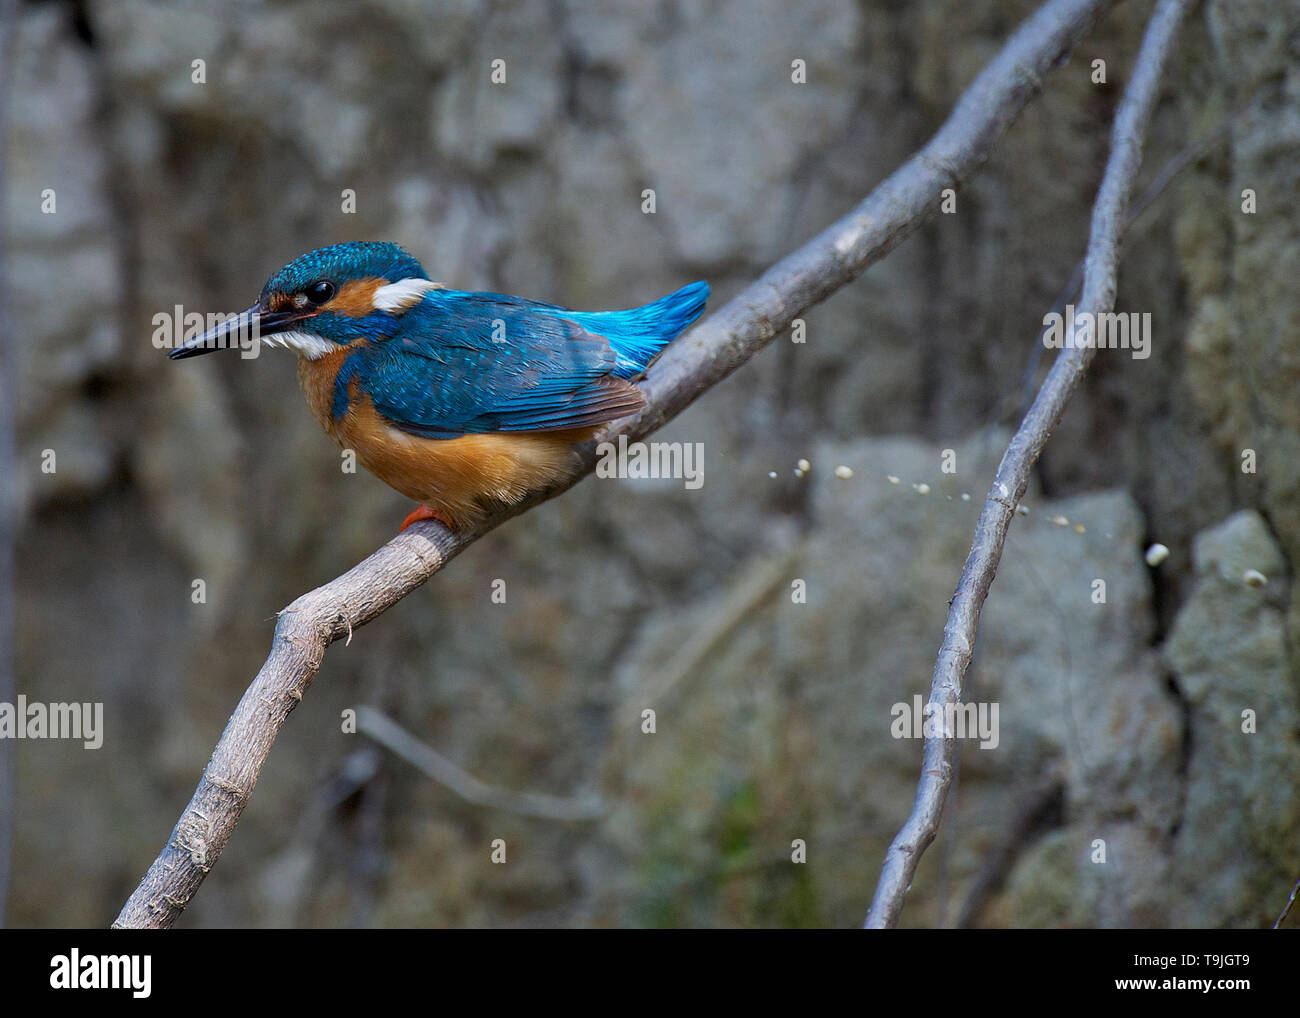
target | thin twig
[
  {"x": 754, "y": 586},
  {"x": 1041, "y": 800},
  {"x": 1108, "y": 219},
  {"x": 689, "y": 367},
  {"x": 1286, "y": 909},
  {"x": 376, "y": 725},
  {"x": 1176, "y": 164}
]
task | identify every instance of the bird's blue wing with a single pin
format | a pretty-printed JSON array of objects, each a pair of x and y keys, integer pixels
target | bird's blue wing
[
  {"x": 638, "y": 334},
  {"x": 464, "y": 363}
]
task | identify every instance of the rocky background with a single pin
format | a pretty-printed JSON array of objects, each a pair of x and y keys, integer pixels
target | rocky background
[{"x": 1120, "y": 722}]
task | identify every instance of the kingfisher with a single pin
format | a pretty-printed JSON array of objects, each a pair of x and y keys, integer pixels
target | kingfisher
[{"x": 459, "y": 400}]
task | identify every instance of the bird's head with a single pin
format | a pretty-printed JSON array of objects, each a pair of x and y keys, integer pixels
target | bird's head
[{"x": 322, "y": 300}]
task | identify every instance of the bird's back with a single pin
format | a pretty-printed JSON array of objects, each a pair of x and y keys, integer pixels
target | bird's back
[{"x": 476, "y": 362}]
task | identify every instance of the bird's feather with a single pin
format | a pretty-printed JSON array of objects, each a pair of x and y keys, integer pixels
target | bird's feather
[{"x": 471, "y": 363}]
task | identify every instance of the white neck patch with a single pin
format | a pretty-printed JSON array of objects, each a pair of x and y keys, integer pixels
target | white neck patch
[
  {"x": 405, "y": 293},
  {"x": 303, "y": 343}
]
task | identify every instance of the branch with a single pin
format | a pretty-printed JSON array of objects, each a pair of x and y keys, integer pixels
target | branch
[
  {"x": 1179, "y": 162},
  {"x": 754, "y": 587},
  {"x": 380, "y": 728},
  {"x": 688, "y": 367},
  {"x": 1045, "y": 798},
  {"x": 1108, "y": 220},
  {"x": 1277, "y": 923}
]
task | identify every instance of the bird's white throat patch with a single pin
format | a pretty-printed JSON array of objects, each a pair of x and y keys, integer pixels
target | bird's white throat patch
[
  {"x": 405, "y": 293},
  {"x": 303, "y": 343},
  {"x": 395, "y": 298}
]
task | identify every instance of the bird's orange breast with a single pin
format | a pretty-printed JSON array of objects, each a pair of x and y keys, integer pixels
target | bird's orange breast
[{"x": 455, "y": 476}]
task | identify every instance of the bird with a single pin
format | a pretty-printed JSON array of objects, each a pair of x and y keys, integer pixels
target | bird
[{"x": 460, "y": 400}]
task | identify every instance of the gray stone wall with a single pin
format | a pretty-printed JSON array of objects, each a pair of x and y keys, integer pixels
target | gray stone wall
[{"x": 1120, "y": 722}]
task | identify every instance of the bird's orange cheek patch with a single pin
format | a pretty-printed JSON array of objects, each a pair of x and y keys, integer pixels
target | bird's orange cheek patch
[{"x": 356, "y": 298}]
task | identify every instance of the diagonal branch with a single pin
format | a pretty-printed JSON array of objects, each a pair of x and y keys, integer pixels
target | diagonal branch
[
  {"x": 1108, "y": 221},
  {"x": 689, "y": 367},
  {"x": 377, "y": 726}
]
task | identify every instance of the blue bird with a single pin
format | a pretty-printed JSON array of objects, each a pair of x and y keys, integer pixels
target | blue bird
[{"x": 458, "y": 400}]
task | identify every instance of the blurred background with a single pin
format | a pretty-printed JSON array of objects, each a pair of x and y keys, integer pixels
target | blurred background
[{"x": 1120, "y": 721}]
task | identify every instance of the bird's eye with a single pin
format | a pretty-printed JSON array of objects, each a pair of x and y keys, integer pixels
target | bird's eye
[{"x": 319, "y": 292}]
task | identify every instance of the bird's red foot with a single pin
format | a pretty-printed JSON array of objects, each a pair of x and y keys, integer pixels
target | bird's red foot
[{"x": 423, "y": 512}]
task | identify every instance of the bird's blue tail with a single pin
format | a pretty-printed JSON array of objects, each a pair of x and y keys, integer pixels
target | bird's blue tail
[{"x": 639, "y": 333}]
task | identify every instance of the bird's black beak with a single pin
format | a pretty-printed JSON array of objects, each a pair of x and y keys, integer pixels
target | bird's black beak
[{"x": 239, "y": 332}]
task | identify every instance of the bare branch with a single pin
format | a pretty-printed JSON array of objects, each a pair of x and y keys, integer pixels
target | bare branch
[
  {"x": 689, "y": 367},
  {"x": 1286, "y": 909},
  {"x": 376, "y": 725},
  {"x": 1108, "y": 221},
  {"x": 1176, "y": 164},
  {"x": 1042, "y": 799},
  {"x": 758, "y": 581}
]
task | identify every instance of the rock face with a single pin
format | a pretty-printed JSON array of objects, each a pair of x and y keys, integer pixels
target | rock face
[
  {"x": 765, "y": 727},
  {"x": 1127, "y": 787},
  {"x": 1229, "y": 657}
]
